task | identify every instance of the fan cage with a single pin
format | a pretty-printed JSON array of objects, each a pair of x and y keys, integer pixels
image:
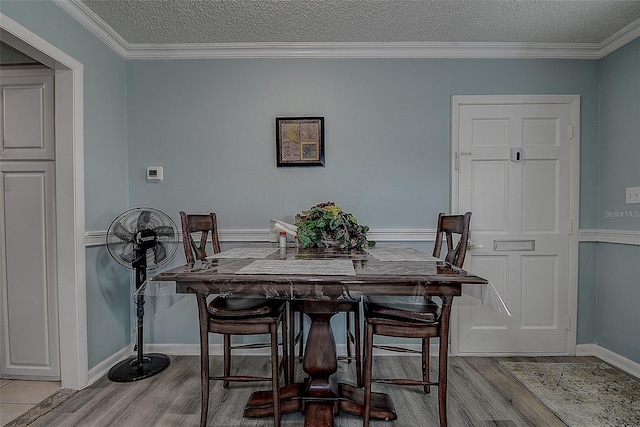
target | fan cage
[{"x": 130, "y": 221}]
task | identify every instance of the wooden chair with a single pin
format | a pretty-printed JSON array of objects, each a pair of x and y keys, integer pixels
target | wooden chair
[
  {"x": 416, "y": 317},
  {"x": 234, "y": 315},
  {"x": 352, "y": 336}
]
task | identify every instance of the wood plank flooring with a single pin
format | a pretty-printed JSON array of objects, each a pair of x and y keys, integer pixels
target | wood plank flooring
[{"x": 480, "y": 394}]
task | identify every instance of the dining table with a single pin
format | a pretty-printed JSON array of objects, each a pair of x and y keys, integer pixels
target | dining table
[{"x": 320, "y": 278}]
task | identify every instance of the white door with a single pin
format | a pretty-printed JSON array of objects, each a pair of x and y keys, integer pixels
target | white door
[
  {"x": 514, "y": 174},
  {"x": 28, "y": 289}
]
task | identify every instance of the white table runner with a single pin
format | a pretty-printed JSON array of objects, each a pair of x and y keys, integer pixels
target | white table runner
[
  {"x": 249, "y": 252},
  {"x": 321, "y": 267},
  {"x": 390, "y": 253}
]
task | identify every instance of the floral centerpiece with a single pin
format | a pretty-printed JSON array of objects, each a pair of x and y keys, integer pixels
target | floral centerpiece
[{"x": 326, "y": 224}]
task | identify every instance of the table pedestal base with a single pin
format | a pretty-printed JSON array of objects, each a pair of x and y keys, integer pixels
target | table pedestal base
[
  {"x": 320, "y": 398},
  {"x": 320, "y": 412}
]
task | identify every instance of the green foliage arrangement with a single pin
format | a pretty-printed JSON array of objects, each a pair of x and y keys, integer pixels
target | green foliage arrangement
[{"x": 326, "y": 224}]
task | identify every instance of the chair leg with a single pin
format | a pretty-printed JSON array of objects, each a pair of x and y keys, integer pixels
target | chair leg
[
  {"x": 275, "y": 369},
  {"x": 425, "y": 364},
  {"x": 348, "y": 335},
  {"x": 204, "y": 382},
  {"x": 285, "y": 350},
  {"x": 292, "y": 343},
  {"x": 443, "y": 355},
  {"x": 301, "y": 326},
  {"x": 204, "y": 360},
  {"x": 356, "y": 327},
  {"x": 368, "y": 363},
  {"x": 227, "y": 358}
]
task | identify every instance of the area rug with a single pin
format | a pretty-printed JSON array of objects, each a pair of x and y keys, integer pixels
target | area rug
[{"x": 582, "y": 394}]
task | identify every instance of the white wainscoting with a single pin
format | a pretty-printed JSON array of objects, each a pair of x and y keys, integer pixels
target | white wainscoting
[
  {"x": 97, "y": 238},
  {"x": 622, "y": 237}
]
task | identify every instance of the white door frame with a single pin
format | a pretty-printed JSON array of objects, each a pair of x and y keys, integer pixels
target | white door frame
[
  {"x": 574, "y": 189},
  {"x": 69, "y": 120}
]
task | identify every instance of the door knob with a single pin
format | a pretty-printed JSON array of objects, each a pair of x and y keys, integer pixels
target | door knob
[{"x": 472, "y": 245}]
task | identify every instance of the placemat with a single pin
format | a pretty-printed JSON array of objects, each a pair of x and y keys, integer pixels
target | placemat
[
  {"x": 391, "y": 253},
  {"x": 399, "y": 268},
  {"x": 324, "y": 267},
  {"x": 256, "y": 253}
]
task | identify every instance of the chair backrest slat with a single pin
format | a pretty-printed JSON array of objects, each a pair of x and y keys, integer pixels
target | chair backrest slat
[
  {"x": 197, "y": 223},
  {"x": 448, "y": 226}
]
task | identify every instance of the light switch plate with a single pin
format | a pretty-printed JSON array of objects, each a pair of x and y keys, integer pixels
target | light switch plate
[{"x": 633, "y": 195}]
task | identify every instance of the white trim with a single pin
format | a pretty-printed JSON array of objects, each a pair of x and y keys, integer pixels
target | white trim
[
  {"x": 92, "y": 22},
  {"x": 102, "y": 368},
  {"x": 610, "y": 357},
  {"x": 70, "y": 197},
  {"x": 363, "y": 50},
  {"x": 216, "y": 350},
  {"x": 574, "y": 217},
  {"x": 111, "y": 38},
  {"x": 621, "y": 237},
  {"x": 98, "y": 238},
  {"x": 620, "y": 38}
]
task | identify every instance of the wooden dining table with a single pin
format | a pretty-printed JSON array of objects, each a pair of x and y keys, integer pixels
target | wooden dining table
[{"x": 320, "y": 278}]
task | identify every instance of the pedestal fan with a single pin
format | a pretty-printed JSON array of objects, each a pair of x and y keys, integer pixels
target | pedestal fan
[{"x": 140, "y": 239}]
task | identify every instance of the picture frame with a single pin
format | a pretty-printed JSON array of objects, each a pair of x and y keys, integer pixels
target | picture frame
[{"x": 300, "y": 141}]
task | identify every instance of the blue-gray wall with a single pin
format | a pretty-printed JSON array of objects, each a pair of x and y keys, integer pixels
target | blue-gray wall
[
  {"x": 616, "y": 306},
  {"x": 106, "y": 171},
  {"x": 210, "y": 123}
]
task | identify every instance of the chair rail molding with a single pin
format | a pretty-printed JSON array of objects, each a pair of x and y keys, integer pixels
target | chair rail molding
[
  {"x": 98, "y": 238},
  {"x": 621, "y": 237}
]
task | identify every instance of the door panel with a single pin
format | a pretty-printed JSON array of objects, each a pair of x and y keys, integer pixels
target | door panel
[
  {"x": 540, "y": 196},
  {"x": 29, "y": 320},
  {"x": 490, "y": 203},
  {"x": 27, "y": 125},
  {"x": 29, "y": 332},
  {"x": 539, "y": 291},
  {"x": 513, "y": 175}
]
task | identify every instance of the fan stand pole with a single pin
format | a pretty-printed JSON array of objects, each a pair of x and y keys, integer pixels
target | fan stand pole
[{"x": 139, "y": 367}]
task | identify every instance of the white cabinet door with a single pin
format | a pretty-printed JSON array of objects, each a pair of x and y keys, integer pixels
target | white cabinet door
[
  {"x": 29, "y": 321},
  {"x": 27, "y": 126},
  {"x": 29, "y": 332},
  {"x": 514, "y": 176}
]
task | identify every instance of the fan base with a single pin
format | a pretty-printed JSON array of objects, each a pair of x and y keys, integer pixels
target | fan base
[{"x": 132, "y": 370}]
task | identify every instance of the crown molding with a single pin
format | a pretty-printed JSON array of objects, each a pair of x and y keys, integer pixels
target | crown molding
[
  {"x": 111, "y": 38},
  {"x": 620, "y": 38},
  {"x": 363, "y": 50},
  {"x": 95, "y": 25}
]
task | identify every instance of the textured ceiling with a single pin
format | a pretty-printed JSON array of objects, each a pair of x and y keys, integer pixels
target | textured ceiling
[{"x": 374, "y": 21}]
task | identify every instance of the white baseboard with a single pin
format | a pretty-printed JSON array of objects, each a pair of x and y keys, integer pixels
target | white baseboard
[
  {"x": 610, "y": 357},
  {"x": 103, "y": 367}
]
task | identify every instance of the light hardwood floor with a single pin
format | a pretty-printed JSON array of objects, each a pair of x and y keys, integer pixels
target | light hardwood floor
[{"x": 480, "y": 394}]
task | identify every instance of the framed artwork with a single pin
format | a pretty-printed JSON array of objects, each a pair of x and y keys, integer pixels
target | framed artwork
[{"x": 300, "y": 141}]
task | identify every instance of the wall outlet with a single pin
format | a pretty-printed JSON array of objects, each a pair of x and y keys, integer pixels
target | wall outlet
[{"x": 633, "y": 195}]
